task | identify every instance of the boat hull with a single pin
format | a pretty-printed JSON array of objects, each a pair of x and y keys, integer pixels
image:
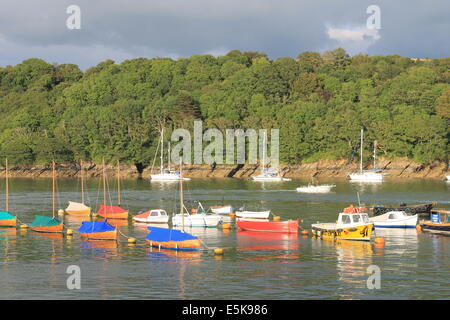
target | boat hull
[
  {"x": 430, "y": 226},
  {"x": 49, "y": 229},
  {"x": 8, "y": 223},
  {"x": 167, "y": 177},
  {"x": 328, "y": 231},
  {"x": 422, "y": 208},
  {"x": 373, "y": 177},
  {"x": 187, "y": 245},
  {"x": 105, "y": 235},
  {"x": 405, "y": 221},
  {"x": 315, "y": 189},
  {"x": 197, "y": 220},
  {"x": 222, "y": 209},
  {"x": 290, "y": 226},
  {"x": 85, "y": 212}
]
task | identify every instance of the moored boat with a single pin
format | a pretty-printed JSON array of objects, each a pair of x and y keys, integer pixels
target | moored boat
[
  {"x": 77, "y": 208},
  {"x": 352, "y": 224},
  {"x": 97, "y": 230},
  {"x": 198, "y": 218},
  {"x": 253, "y": 214},
  {"x": 222, "y": 209},
  {"x": 394, "y": 219},
  {"x": 420, "y": 208},
  {"x": 113, "y": 212},
  {"x": 310, "y": 188},
  {"x": 152, "y": 216},
  {"x": 439, "y": 223},
  {"x": 172, "y": 239},
  {"x": 6, "y": 218},
  {"x": 289, "y": 226}
]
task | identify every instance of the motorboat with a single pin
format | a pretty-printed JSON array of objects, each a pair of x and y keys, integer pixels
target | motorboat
[
  {"x": 152, "y": 216},
  {"x": 394, "y": 219}
]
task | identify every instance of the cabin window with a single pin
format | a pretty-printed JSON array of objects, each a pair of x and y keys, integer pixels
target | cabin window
[
  {"x": 356, "y": 218},
  {"x": 346, "y": 219},
  {"x": 365, "y": 218},
  {"x": 392, "y": 216},
  {"x": 154, "y": 214}
]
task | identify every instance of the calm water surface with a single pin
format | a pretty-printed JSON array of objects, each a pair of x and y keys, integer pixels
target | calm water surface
[{"x": 254, "y": 266}]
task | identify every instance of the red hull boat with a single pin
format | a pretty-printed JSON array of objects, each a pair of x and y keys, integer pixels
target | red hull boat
[{"x": 289, "y": 226}]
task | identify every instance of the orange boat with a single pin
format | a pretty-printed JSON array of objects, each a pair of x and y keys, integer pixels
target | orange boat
[
  {"x": 289, "y": 226},
  {"x": 98, "y": 230},
  {"x": 7, "y": 219},
  {"x": 113, "y": 212}
]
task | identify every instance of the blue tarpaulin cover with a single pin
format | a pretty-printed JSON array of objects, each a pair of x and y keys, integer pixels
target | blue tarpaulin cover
[
  {"x": 96, "y": 226},
  {"x": 164, "y": 235}
]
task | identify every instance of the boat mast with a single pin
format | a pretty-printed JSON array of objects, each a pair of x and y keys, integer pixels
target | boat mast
[
  {"x": 104, "y": 186},
  {"x": 118, "y": 182},
  {"x": 264, "y": 153},
  {"x": 181, "y": 198},
  {"x": 6, "y": 174},
  {"x": 168, "y": 157},
  {"x": 53, "y": 189},
  {"x": 162, "y": 150},
  {"x": 361, "y": 156},
  {"x": 82, "y": 181},
  {"x": 374, "y": 154}
]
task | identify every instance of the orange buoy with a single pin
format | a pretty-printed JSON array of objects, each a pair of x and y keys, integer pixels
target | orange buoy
[
  {"x": 419, "y": 228},
  {"x": 276, "y": 218},
  {"x": 379, "y": 242},
  {"x": 305, "y": 232},
  {"x": 226, "y": 226},
  {"x": 232, "y": 214}
]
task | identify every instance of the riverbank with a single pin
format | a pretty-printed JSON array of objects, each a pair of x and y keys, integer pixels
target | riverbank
[{"x": 399, "y": 168}]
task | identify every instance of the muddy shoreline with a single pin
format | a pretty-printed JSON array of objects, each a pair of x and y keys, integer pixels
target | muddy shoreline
[{"x": 400, "y": 168}]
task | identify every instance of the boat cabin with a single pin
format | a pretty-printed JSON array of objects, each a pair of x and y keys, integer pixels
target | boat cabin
[
  {"x": 349, "y": 219},
  {"x": 157, "y": 213}
]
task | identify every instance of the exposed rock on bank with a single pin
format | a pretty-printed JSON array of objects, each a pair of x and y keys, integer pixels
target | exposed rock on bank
[{"x": 399, "y": 168}]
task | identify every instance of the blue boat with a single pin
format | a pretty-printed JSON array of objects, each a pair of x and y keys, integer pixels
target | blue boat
[{"x": 172, "y": 239}]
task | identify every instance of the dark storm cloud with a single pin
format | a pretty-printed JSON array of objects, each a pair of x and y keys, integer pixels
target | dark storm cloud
[{"x": 127, "y": 29}]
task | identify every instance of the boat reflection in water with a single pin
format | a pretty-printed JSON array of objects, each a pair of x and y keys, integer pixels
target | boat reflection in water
[
  {"x": 276, "y": 246},
  {"x": 100, "y": 248},
  {"x": 165, "y": 255}
]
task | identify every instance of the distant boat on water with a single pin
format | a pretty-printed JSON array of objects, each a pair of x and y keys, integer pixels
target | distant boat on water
[
  {"x": 77, "y": 208},
  {"x": 6, "y": 218},
  {"x": 374, "y": 175}
]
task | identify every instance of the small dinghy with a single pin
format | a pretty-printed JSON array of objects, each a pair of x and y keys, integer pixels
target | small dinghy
[
  {"x": 46, "y": 224},
  {"x": 78, "y": 209},
  {"x": 97, "y": 230},
  {"x": 289, "y": 226},
  {"x": 113, "y": 212},
  {"x": 394, "y": 219},
  {"x": 198, "y": 218},
  {"x": 222, "y": 209},
  {"x": 172, "y": 239},
  {"x": 324, "y": 188},
  {"x": 7, "y": 220},
  {"x": 152, "y": 216},
  {"x": 439, "y": 223},
  {"x": 253, "y": 214}
]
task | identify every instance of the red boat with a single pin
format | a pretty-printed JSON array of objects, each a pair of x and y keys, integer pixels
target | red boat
[{"x": 289, "y": 226}]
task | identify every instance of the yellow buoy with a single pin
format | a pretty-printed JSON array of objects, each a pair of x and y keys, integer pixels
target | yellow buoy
[
  {"x": 226, "y": 226},
  {"x": 218, "y": 251},
  {"x": 60, "y": 212},
  {"x": 69, "y": 232},
  {"x": 94, "y": 215},
  {"x": 131, "y": 240},
  {"x": 276, "y": 218},
  {"x": 23, "y": 226}
]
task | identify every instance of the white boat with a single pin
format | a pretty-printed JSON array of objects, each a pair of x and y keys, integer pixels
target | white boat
[
  {"x": 253, "y": 214},
  {"x": 222, "y": 209},
  {"x": 447, "y": 178},
  {"x": 374, "y": 175},
  {"x": 394, "y": 219},
  {"x": 268, "y": 174},
  {"x": 198, "y": 219},
  {"x": 166, "y": 174},
  {"x": 324, "y": 188},
  {"x": 152, "y": 216}
]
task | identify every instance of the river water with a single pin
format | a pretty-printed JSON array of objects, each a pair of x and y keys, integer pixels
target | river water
[{"x": 254, "y": 266}]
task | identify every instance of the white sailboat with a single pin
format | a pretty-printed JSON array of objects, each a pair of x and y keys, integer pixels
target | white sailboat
[
  {"x": 374, "y": 175},
  {"x": 268, "y": 174},
  {"x": 166, "y": 174},
  {"x": 310, "y": 188},
  {"x": 199, "y": 219}
]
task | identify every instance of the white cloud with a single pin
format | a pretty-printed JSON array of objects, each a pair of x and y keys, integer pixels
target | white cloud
[{"x": 355, "y": 40}]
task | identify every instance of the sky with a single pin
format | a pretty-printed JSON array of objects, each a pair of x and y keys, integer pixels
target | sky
[{"x": 120, "y": 30}]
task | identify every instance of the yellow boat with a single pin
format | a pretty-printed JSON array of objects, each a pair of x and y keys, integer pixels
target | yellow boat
[{"x": 352, "y": 224}]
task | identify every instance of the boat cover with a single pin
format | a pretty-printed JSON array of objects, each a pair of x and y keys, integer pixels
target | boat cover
[
  {"x": 76, "y": 206},
  {"x": 6, "y": 215},
  {"x": 96, "y": 226},
  {"x": 44, "y": 221},
  {"x": 164, "y": 235},
  {"x": 109, "y": 209}
]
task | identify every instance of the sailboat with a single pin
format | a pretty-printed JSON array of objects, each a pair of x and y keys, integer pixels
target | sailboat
[
  {"x": 44, "y": 223},
  {"x": 77, "y": 208},
  {"x": 268, "y": 174},
  {"x": 367, "y": 175},
  {"x": 198, "y": 219},
  {"x": 7, "y": 219},
  {"x": 109, "y": 211},
  {"x": 99, "y": 230},
  {"x": 166, "y": 174},
  {"x": 173, "y": 239}
]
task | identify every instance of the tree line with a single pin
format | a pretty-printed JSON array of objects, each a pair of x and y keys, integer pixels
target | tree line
[{"x": 318, "y": 101}]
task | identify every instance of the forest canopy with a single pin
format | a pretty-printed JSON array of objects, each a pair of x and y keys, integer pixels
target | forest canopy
[{"x": 318, "y": 101}]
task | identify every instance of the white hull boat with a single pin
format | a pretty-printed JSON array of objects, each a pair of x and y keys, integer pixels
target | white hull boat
[
  {"x": 222, "y": 209},
  {"x": 394, "y": 219},
  {"x": 325, "y": 188},
  {"x": 269, "y": 177},
  {"x": 367, "y": 176},
  {"x": 167, "y": 176},
  {"x": 253, "y": 214},
  {"x": 196, "y": 220},
  {"x": 447, "y": 178},
  {"x": 152, "y": 216}
]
